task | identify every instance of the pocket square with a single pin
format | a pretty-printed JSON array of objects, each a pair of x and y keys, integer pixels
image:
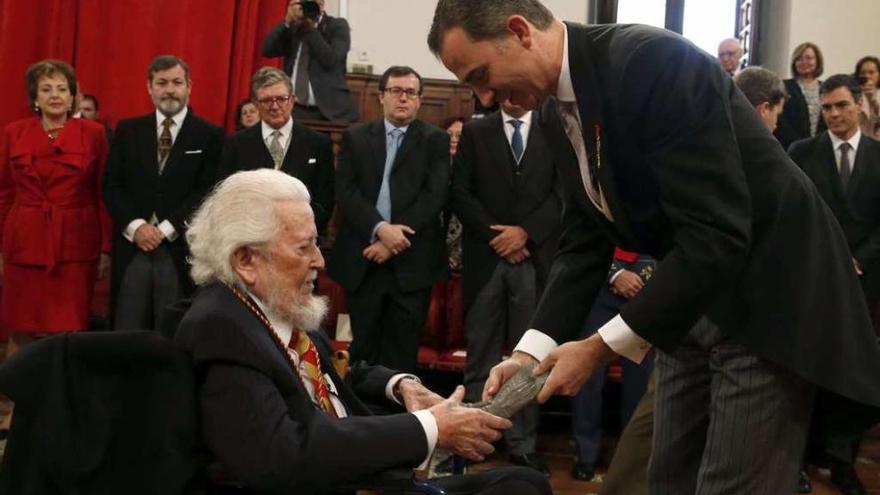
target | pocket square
[
  {"x": 193, "y": 152},
  {"x": 313, "y": 160}
]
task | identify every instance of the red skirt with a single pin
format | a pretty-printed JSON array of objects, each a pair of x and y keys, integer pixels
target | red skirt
[{"x": 37, "y": 301}]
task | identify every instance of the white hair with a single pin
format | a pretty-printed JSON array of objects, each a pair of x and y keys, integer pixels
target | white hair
[{"x": 239, "y": 212}]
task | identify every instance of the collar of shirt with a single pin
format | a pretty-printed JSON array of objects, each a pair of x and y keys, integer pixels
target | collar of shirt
[
  {"x": 286, "y": 130},
  {"x": 178, "y": 121},
  {"x": 523, "y": 128},
  {"x": 565, "y": 87},
  {"x": 390, "y": 127},
  {"x": 853, "y": 141}
]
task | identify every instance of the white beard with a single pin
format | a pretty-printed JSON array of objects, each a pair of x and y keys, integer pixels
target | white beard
[{"x": 302, "y": 312}]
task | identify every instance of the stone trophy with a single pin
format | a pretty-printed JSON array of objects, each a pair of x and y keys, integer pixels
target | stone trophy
[{"x": 519, "y": 391}]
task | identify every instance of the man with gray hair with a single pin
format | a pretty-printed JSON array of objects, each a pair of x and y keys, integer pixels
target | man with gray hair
[
  {"x": 729, "y": 54},
  {"x": 270, "y": 401},
  {"x": 280, "y": 143}
]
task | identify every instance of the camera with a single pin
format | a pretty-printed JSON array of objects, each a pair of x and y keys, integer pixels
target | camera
[{"x": 310, "y": 9}]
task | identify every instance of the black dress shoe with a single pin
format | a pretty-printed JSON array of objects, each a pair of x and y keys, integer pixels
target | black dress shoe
[
  {"x": 844, "y": 477},
  {"x": 582, "y": 471},
  {"x": 804, "y": 484},
  {"x": 532, "y": 460}
]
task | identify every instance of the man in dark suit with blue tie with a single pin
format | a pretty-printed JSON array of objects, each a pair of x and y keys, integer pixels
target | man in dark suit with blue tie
[
  {"x": 392, "y": 180},
  {"x": 506, "y": 194},
  {"x": 844, "y": 164},
  {"x": 160, "y": 166},
  {"x": 754, "y": 306}
]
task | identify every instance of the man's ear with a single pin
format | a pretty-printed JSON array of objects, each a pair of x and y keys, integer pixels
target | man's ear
[
  {"x": 763, "y": 109},
  {"x": 243, "y": 261},
  {"x": 521, "y": 28}
]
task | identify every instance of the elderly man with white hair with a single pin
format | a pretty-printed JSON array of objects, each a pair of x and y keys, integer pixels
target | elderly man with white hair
[{"x": 273, "y": 410}]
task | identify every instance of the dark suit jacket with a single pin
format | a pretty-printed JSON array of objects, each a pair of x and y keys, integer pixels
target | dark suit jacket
[
  {"x": 488, "y": 188},
  {"x": 794, "y": 123},
  {"x": 258, "y": 419},
  {"x": 419, "y": 184},
  {"x": 857, "y": 210},
  {"x": 309, "y": 158},
  {"x": 134, "y": 189},
  {"x": 100, "y": 413},
  {"x": 328, "y": 49},
  {"x": 694, "y": 178}
]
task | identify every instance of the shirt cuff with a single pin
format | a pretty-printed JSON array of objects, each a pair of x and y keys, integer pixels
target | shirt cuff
[
  {"x": 389, "y": 388},
  {"x": 373, "y": 237},
  {"x": 536, "y": 344},
  {"x": 622, "y": 340},
  {"x": 614, "y": 277},
  {"x": 132, "y": 227},
  {"x": 429, "y": 424},
  {"x": 168, "y": 230}
]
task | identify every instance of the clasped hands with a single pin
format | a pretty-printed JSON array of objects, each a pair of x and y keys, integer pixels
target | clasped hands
[
  {"x": 390, "y": 241},
  {"x": 510, "y": 243},
  {"x": 147, "y": 237},
  {"x": 464, "y": 431}
]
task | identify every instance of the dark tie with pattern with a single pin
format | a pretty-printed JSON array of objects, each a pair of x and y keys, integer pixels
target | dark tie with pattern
[
  {"x": 165, "y": 142},
  {"x": 845, "y": 167},
  {"x": 516, "y": 140}
]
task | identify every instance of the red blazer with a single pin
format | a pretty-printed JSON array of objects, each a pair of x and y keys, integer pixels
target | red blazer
[{"x": 51, "y": 208}]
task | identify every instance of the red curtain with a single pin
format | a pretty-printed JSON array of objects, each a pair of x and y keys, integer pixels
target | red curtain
[{"x": 111, "y": 42}]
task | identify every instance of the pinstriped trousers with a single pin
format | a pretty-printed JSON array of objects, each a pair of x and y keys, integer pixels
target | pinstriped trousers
[{"x": 726, "y": 422}]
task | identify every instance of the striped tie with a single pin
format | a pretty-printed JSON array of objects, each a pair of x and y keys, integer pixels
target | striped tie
[{"x": 311, "y": 363}]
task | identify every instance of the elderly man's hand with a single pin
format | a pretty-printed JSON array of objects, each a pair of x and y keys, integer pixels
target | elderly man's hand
[
  {"x": 416, "y": 396},
  {"x": 501, "y": 372},
  {"x": 466, "y": 431},
  {"x": 571, "y": 364}
]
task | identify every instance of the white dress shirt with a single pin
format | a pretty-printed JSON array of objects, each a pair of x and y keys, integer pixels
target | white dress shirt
[
  {"x": 283, "y": 330},
  {"x": 853, "y": 141},
  {"x": 616, "y": 333},
  {"x": 164, "y": 226}
]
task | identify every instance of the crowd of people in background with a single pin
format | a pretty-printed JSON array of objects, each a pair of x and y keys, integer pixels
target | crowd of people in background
[{"x": 80, "y": 202}]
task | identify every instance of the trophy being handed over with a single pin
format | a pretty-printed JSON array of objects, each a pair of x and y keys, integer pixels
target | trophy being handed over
[{"x": 516, "y": 393}]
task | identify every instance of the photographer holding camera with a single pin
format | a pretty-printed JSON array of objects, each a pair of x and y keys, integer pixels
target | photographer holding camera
[{"x": 314, "y": 46}]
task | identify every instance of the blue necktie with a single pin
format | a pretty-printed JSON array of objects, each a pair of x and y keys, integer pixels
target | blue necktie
[
  {"x": 383, "y": 202},
  {"x": 516, "y": 141}
]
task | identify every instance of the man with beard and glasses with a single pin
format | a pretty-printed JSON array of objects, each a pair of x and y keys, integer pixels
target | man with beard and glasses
[
  {"x": 273, "y": 410},
  {"x": 160, "y": 166}
]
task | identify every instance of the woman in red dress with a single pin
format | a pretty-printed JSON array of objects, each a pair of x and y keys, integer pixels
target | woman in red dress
[{"x": 54, "y": 230}]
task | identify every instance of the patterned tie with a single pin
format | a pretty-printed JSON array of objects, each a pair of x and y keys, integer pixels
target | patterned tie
[
  {"x": 845, "y": 167},
  {"x": 165, "y": 142},
  {"x": 383, "y": 202},
  {"x": 309, "y": 360},
  {"x": 516, "y": 141},
  {"x": 301, "y": 78},
  {"x": 571, "y": 122},
  {"x": 276, "y": 150}
]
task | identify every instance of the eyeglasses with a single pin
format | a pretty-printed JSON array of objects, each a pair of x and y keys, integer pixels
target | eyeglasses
[
  {"x": 411, "y": 94},
  {"x": 270, "y": 100}
]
